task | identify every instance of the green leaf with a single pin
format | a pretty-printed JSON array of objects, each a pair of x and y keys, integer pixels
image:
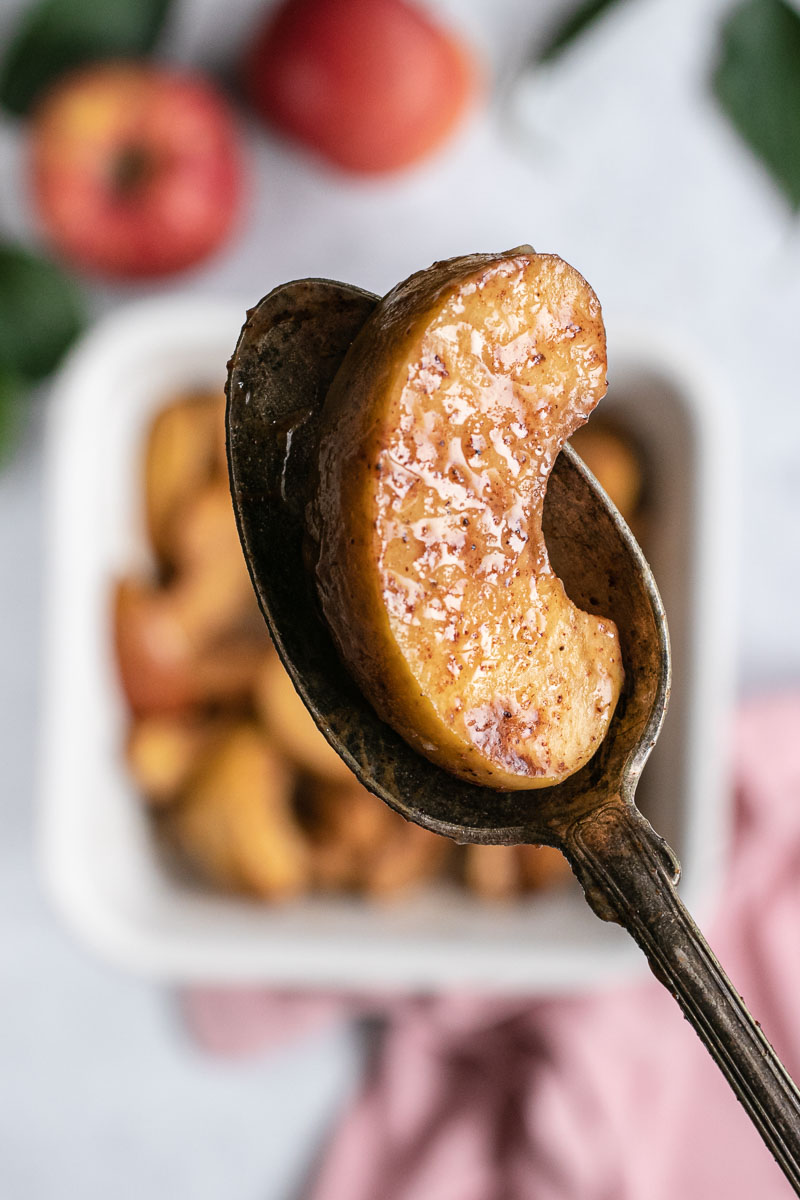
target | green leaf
[
  {"x": 56, "y": 35},
  {"x": 41, "y": 312},
  {"x": 11, "y": 392},
  {"x": 757, "y": 82},
  {"x": 572, "y": 26}
]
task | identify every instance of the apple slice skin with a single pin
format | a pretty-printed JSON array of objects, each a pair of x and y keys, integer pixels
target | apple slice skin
[{"x": 438, "y": 436}]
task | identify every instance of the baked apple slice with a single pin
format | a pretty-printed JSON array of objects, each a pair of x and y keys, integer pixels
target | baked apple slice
[
  {"x": 438, "y": 435},
  {"x": 166, "y": 658},
  {"x": 178, "y": 461},
  {"x": 163, "y": 751},
  {"x": 236, "y": 824}
]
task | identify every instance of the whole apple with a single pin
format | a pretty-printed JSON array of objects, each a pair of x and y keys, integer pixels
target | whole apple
[
  {"x": 371, "y": 85},
  {"x": 135, "y": 168}
]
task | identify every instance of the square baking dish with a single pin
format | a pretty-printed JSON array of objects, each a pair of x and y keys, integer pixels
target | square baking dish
[{"x": 99, "y": 856}]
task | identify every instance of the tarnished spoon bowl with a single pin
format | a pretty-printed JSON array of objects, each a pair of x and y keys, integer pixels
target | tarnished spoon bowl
[{"x": 287, "y": 355}]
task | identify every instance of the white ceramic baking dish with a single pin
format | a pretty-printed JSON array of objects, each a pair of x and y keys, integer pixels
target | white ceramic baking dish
[{"x": 98, "y": 854}]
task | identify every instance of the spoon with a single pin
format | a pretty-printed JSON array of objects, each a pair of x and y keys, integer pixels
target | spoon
[{"x": 287, "y": 355}]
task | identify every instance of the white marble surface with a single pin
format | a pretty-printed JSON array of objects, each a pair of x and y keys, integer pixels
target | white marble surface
[{"x": 622, "y": 164}]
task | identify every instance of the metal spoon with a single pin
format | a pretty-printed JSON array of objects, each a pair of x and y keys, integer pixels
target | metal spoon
[{"x": 286, "y": 357}]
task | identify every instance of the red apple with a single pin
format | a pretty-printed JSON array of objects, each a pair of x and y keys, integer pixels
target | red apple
[
  {"x": 135, "y": 168},
  {"x": 372, "y": 85}
]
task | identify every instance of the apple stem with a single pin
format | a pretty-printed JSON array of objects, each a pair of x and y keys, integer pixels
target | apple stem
[{"x": 131, "y": 168}]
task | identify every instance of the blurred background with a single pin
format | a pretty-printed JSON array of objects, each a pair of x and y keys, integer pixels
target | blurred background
[{"x": 164, "y": 149}]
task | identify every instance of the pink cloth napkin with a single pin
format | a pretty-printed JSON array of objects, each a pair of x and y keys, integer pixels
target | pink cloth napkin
[{"x": 595, "y": 1097}]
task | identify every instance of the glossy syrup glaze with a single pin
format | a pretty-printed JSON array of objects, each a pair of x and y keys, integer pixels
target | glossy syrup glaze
[{"x": 487, "y": 666}]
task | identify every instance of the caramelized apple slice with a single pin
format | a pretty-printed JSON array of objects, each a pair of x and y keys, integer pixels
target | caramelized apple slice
[
  {"x": 164, "y": 750},
  {"x": 205, "y": 529},
  {"x": 164, "y": 663},
  {"x": 236, "y": 824},
  {"x": 291, "y": 726},
  {"x": 493, "y": 872},
  {"x": 212, "y": 588},
  {"x": 439, "y": 433},
  {"x": 349, "y": 825},
  {"x": 543, "y": 866},
  {"x": 405, "y": 860},
  {"x": 179, "y": 458},
  {"x": 613, "y": 461}
]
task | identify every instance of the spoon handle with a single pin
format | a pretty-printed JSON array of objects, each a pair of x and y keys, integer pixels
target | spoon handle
[{"x": 628, "y": 873}]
